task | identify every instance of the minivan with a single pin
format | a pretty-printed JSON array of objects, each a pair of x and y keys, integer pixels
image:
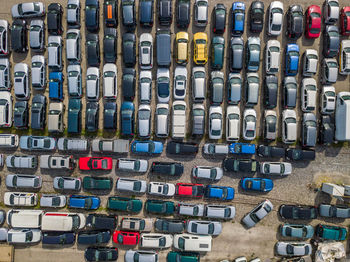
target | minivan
[
  {"x": 188, "y": 242},
  {"x": 342, "y": 117},
  {"x": 21, "y": 161},
  {"x": 24, "y": 218},
  {"x": 60, "y": 221},
  {"x": 163, "y": 48}
]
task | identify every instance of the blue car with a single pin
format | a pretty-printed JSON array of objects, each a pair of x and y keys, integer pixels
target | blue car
[
  {"x": 256, "y": 184},
  {"x": 56, "y": 86},
  {"x": 292, "y": 59},
  {"x": 147, "y": 147},
  {"x": 238, "y": 15},
  {"x": 127, "y": 112},
  {"x": 242, "y": 148},
  {"x": 84, "y": 202},
  {"x": 219, "y": 192}
]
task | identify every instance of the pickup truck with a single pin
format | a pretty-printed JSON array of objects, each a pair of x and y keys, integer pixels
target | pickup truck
[
  {"x": 110, "y": 146},
  {"x": 57, "y": 162}
]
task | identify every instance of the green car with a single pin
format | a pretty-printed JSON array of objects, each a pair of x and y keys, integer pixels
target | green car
[
  {"x": 74, "y": 116},
  {"x": 331, "y": 232},
  {"x": 160, "y": 207},
  {"x": 124, "y": 204},
  {"x": 182, "y": 257},
  {"x": 97, "y": 183},
  {"x": 217, "y": 52}
]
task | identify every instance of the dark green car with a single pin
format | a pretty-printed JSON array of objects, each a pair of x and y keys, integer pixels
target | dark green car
[
  {"x": 97, "y": 183},
  {"x": 160, "y": 207},
  {"x": 217, "y": 52},
  {"x": 182, "y": 257},
  {"x": 124, "y": 204},
  {"x": 74, "y": 116}
]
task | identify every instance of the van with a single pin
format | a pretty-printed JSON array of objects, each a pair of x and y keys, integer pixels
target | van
[
  {"x": 8, "y": 141},
  {"x": 163, "y": 48},
  {"x": 16, "y": 161},
  {"x": 156, "y": 240},
  {"x": 57, "y": 221},
  {"x": 24, "y": 218},
  {"x": 342, "y": 117},
  {"x": 331, "y": 232},
  {"x": 70, "y": 144},
  {"x": 187, "y": 242}
]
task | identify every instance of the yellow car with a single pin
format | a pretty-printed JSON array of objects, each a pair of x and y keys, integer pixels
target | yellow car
[
  {"x": 181, "y": 48},
  {"x": 200, "y": 41}
]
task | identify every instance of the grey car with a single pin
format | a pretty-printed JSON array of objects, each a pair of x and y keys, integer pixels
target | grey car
[
  {"x": 270, "y": 91},
  {"x": 201, "y": 227},
  {"x": 270, "y": 125},
  {"x": 257, "y": 214},
  {"x": 74, "y": 81},
  {"x": 23, "y": 181},
  {"x": 236, "y": 56},
  {"x": 37, "y": 35},
  {"x": 331, "y": 41},
  {"x": 234, "y": 88},
  {"x": 252, "y": 89},
  {"x": 190, "y": 209},
  {"x": 219, "y": 211},
  {"x": 289, "y": 92},
  {"x": 140, "y": 256},
  {"x": 309, "y": 130},
  {"x": 198, "y": 119},
  {"x": 293, "y": 249},
  {"x": 326, "y": 210},
  {"x": 73, "y": 46},
  {"x": 37, "y": 143},
  {"x": 217, "y": 87},
  {"x": 54, "y": 50},
  {"x": 329, "y": 70},
  {"x": 5, "y": 74},
  {"x": 170, "y": 225},
  {"x": 253, "y": 54},
  {"x": 73, "y": 13},
  {"x": 93, "y": 83},
  {"x": 71, "y": 144},
  {"x": 199, "y": 89},
  {"x": 21, "y": 80},
  {"x": 131, "y": 185},
  {"x": 144, "y": 119},
  {"x": 67, "y": 183},
  {"x": 38, "y": 72}
]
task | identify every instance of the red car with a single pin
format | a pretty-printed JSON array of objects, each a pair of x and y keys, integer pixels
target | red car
[
  {"x": 95, "y": 163},
  {"x": 313, "y": 21},
  {"x": 345, "y": 20},
  {"x": 126, "y": 238},
  {"x": 189, "y": 190}
]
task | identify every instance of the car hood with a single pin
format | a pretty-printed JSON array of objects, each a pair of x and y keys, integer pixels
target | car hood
[{"x": 144, "y": 127}]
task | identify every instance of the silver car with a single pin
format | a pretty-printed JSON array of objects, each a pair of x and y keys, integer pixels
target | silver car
[
  {"x": 93, "y": 83},
  {"x": 220, "y": 211},
  {"x": 188, "y": 209},
  {"x": 233, "y": 123},
  {"x": 217, "y": 87},
  {"x": 310, "y": 62},
  {"x": 141, "y": 256},
  {"x": 74, "y": 81},
  {"x": 309, "y": 131},
  {"x": 328, "y": 100},
  {"x": 110, "y": 82},
  {"x": 257, "y": 214},
  {"x": 131, "y": 185},
  {"x": 22, "y": 161},
  {"x": 162, "y": 120},
  {"x": 144, "y": 120},
  {"x": 198, "y": 119},
  {"x": 23, "y": 181},
  {"x": 5, "y": 74},
  {"x": 26, "y": 10},
  {"x": 163, "y": 85},
  {"x": 331, "y": 11},
  {"x": 38, "y": 72},
  {"x": 253, "y": 54},
  {"x": 21, "y": 80},
  {"x": 329, "y": 70},
  {"x": 272, "y": 56},
  {"x": 23, "y": 236},
  {"x": 52, "y": 200},
  {"x": 4, "y": 38},
  {"x": 73, "y": 13},
  {"x": 215, "y": 122},
  {"x": 146, "y": 51},
  {"x": 55, "y": 53},
  {"x": 270, "y": 125},
  {"x": 289, "y": 126},
  {"x": 201, "y": 227},
  {"x": 180, "y": 82},
  {"x": 73, "y": 46},
  {"x": 37, "y": 35},
  {"x": 326, "y": 210},
  {"x": 293, "y": 249},
  {"x": 201, "y": 12},
  {"x": 145, "y": 86},
  {"x": 207, "y": 173},
  {"x": 67, "y": 183},
  {"x": 308, "y": 94},
  {"x": 276, "y": 168},
  {"x": 249, "y": 124},
  {"x": 234, "y": 88},
  {"x": 199, "y": 87},
  {"x": 5, "y": 109},
  {"x": 73, "y": 144},
  {"x": 275, "y": 20},
  {"x": 252, "y": 89},
  {"x": 237, "y": 51}
]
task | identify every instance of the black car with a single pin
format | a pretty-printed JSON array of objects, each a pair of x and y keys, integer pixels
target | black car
[
  {"x": 326, "y": 130},
  {"x": 93, "y": 49},
  {"x": 331, "y": 41},
  {"x": 54, "y": 19},
  {"x": 128, "y": 14},
  {"x": 146, "y": 13},
  {"x": 110, "y": 116},
  {"x": 129, "y": 83},
  {"x": 58, "y": 238},
  {"x": 19, "y": 38},
  {"x": 165, "y": 14},
  {"x": 295, "y": 22},
  {"x": 298, "y": 212},
  {"x": 271, "y": 151},
  {"x": 300, "y": 154},
  {"x": 172, "y": 226},
  {"x": 240, "y": 165},
  {"x": 21, "y": 114},
  {"x": 110, "y": 13},
  {"x": 183, "y": 13},
  {"x": 92, "y": 116},
  {"x": 182, "y": 148},
  {"x": 110, "y": 45},
  {"x": 100, "y": 222},
  {"x": 256, "y": 16},
  {"x": 38, "y": 112},
  {"x": 167, "y": 168},
  {"x": 219, "y": 16},
  {"x": 94, "y": 237},
  {"x": 92, "y": 15},
  {"x": 129, "y": 49},
  {"x": 101, "y": 254},
  {"x": 270, "y": 91}
]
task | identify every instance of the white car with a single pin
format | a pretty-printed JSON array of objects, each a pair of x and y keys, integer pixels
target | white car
[
  {"x": 215, "y": 122},
  {"x": 162, "y": 120},
  {"x": 275, "y": 18},
  {"x": 220, "y": 211},
  {"x": 207, "y": 173},
  {"x": 156, "y": 240},
  {"x": 5, "y": 36},
  {"x": 20, "y": 199},
  {"x": 53, "y": 200},
  {"x": 201, "y": 227},
  {"x": 22, "y": 161},
  {"x": 272, "y": 57},
  {"x": 344, "y": 57},
  {"x": 249, "y": 124},
  {"x": 328, "y": 100},
  {"x": 331, "y": 11},
  {"x": 5, "y": 109},
  {"x": 131, "y": 185},
  {"x": 293, "y": 249},
  {"x": 233, "y": 123},
  {"x": 54, "y": 53},
  {"x": 110, "y": 82},
  {"x": 329, "y": 70},
  {"x": 308, "y": 94},
  {"x": 234, "y": 88},
  {"x": 289, "y": 126},
  {"x": 30, "y": 9},
  {"x": 199, "y": 84},
  {"x": 190, "y": 209},
  {"x": 23, "y": 236},
  {"x": 188, "y": 242},
  {"x": 74, "y": 81},
  {"x": 257, "y": 214},
  {"x": 132, "y": 165},
  {"x": 276, "y": 168},
  {"x": 5, "y": 74},
  {"x": 161, "y": 189},
  {"x": 215, "y": 149},
  {"x": 145, "y": 86},
  {"x": 146, "y": 51},
  {"x": 144, "y": 121},
  {"x": 163, "y": 85},
  {"x": 180, "y": 82},
  {"x": 38, "y": 72},
  {"x": 310, "y": 62},
  {"x": 73, "y": 46},
  {"x": 21, "y": 81},
  {"x": 93, "y": 83},
  {"x": 179, "y": 120}
]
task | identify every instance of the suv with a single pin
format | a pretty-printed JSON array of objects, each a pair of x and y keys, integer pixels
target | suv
[
  {"x": 165, "y": 14},
  {"x": 331, "y": 232},
  {"x": 19, "y": 37},
  {"x": 23, "y": 161},
  {"x": 326, "y": 131},
  {"x": 92, "y": 15},
  {"x": 128, "y": 14},
  {"x": 110, "y": 45},
  {"x": 57, "y": 162},
  {"x": 73, "y": 13},
  {"x": 92, "y": 49},
  {"x": 55, "y": 117},
  {"x": 56, "y": 86},
  {"x": 183, "y": 13},
  {"x": 55, "y": 53},
  {"x": 38, "y": 72},
  {"x": 129, "y": 49},
  {"x": 21, "y": 114},
  {"x": 54, "y": 19},
  {"x": 146, "y": 13}
]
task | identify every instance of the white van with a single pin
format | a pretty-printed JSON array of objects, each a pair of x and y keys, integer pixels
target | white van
[
  {"x": 156, "y": 240},
  {"x": 24, "y": 218},
  {"x": 342, "y": 117},
  {"x": 60, "y": 221},
  {"x": 187, "y": 242},
  {"x": 9, "y": 141}
]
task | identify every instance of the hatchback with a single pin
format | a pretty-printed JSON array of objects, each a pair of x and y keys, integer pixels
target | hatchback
[
  {"x": 180, "y": 82},
  {"x": 275, "y": 18},
  {"x": 145, "y": 87},
  {"x": 338, "y": 211},
  {"x": 92, "y": 48},
  {"x": 161, "y": 189},
  {"x": 84, "y": 202},
  {"x": 198, "y": 120},
  {"x": 74, "y": 81},
  {"x": 190, "y": 209},
  {"x": 289, "y": 126},
  {"x": 110, "y": 45},
  {"x": 217, "y": 52},
  {"x": 5, "y": 74},
  {"x": 238, "y": 16},
  {"x": 257, "y": 214},
  {"x": 163, "y": 85},
  {"x": 310, "y": 62},
  {"x": 308, "y": 94},
  {"x": 296, "y": 154},
  {"x": 331, "y": 41},
  {"x": 344, "y": 58},
  {"x": 21, "y": 114},
  {"x": 136, "y": 224},
  {"x": 52, "y": 200},
  {"x": 256, "y": 184},
  {"x": 292, "y": 60},
  {"x": 19, "y": 37},
  {"x": 200, "y": 227},
  {"x": 37, "y": 35},
  {"x": 217, "y": 87},
  {"x": 21, "y": 81},
  {"x": 233, "y": 119},
  {"x": 219, "y": 211},
  {"x": 124, "y": 204},
  {"x": 165, "y": 14},
  {"x": 309, "y": 130},
  {"x": 38, "y": 72},
  {"x": 167, "y": 168},
  {"x": 146, "y": 13},
  {"x": 110, "y": 115},
  {"x": 207, "y": 173},
  {"x": 219, "y": 16},
  {"x": 67, "y": 183},
  {"x": 110, "y": 13},
  {"x": 23, "y": 181},
  {"x": 73, "y": 46},
  {"x": 297, "y": 231},
  {"x": 219, "y": 192},
  {"x": 331, "y": 11},
  {"x": 74, "y": 115},
  {"x": 54, "y": 49},
  {"x": 181, "y": 48},
  {"x": 5, "y": 38},
  {"x": 253, "y": 54},
  {"x": 92, "y": 116},
  {"x": 270, "y": 91},
  {"x": 201, "y": 13},
  {"x": 146, "y": 50},
  {"x": 92, "y": 15},
  {"x": 54, "y": 19},
  {"x": 289, "y": 97},
  {"x": 38, "y": 112},
  {"x": 236, "y": 56},
  {"x": 110, "y": 84},
  {"x": 313, "y": 21},
  {"x": 127, "y": 112},
  {"x": 344, "y": 20},
  {"x": 249, "y": 124},
  {"x": 159, "y": 207},
  {"x": 199, "y": 89},
  {"x": 144, "y": 121},
  {"x": 93, "y": 237},
  {"x": 73, "y": 13},
  {"x": 270, "y": 125},
  {"x": 329, "y": 70},
  {"x": 129, "y": 185},
  {"x": 141, "y": 255},
  {"x": 215, "y": 122},
  {"x": 93, "y": 83},
  {"x": 252, "y": 89},
  {"x": 276, "y": 168},
  {"x": 272, "y": 56},
  {"x": 128, "y": 15},
  {"x": 234, "y": 88},
  {"x": 162, "y": 120},
  {"x": 183, "y": 12},
  {"x": 295, "y": 21},
  {"x": 129, "y": 83},
  {"x": 129, "y": 49},
  {"x": 200, "y": 46},
  {"x": 146, "y": 147}
]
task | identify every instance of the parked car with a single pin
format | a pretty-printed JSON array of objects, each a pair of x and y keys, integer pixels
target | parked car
[
  {"x": 170, "y": 225},
  {"x": 215, "y": 122},
  {"x": 124, "y": 204},
  {"x": 97, "y": 183},
  {"x": 270, "y": 151},
  {"x": 337, "y": 211},
  {"x": 215, "y": 149},
  {"x": 37, "y": 143},
  {"x": 21, "y": 115},
  {"x": 161, "y": 189},
  {"x": 238, "y": 16},
  {"x": 144, "y": 121},
  {"x": 23, "y": 181},
  {"x": 276, "y": 168},
  {"x": 163, "y": 45},
  {"x": 289, "y": 126},
  {"x": 101, "y": 253},
  {"x": 127, "y": 113},
  {"x": 198, "y": 227},
  {"x": 313, "y": 21},
  {"x": 55, "y": 118},
  {"x": 237, "y": 52},
  {"x": 183, "y": 13},
  {"x": 327, "y": 232},
  {"x": 132, "y": 255},
  {"x": 23, "y": 236},
  {"x": 344, "y": 54},
  {"x": 129, "y": 83},
  {"x": 275, "y": 18},
  {"x": 74, "y": 115},
  {"x": 295, "y": 21},
  {"x": 234, "y": 88},
  {"x": 270, "y": 125},
  {"x": 57, "y": 162},
  {"x": 8, "y": 141},
  {"x": 240, "y": 165},
  {"x": 146, "y": 47},
  {"x": 110, "y": 44},
  {"x": 93, "y": 237},
  {"x": 165, "y": 15},
  {"x": 189, "y": 190},
  {"x": 95, "y": 163},
  {"x": 198, "y": 84},
  {"x": 207, "y": 173},
  {"x": 145, "y": 87},
  {"x": 200, "y": 45},
  {"x": 331, "y": 41},
  {"x": 54, "y": 49},
  {"x": 73, "y": 13},
  {"x": 180, "y": 82},
  {"x": 5, "y": 71},
  {"x": 256, "y": 16},
  {"x": 146, "y": 13},
  {"x": 326, "y": 130},
  {"x": 233, "y": 119},
  {"x": 167, "y": 168},
  {"x": 310, "y": 62},
  {"x": 298, "y": 212},
  {"x": 190, "y": 209},
  {"x": 136, "y": 224},
  {"x": 37, "y": 35},
  {"x": 253, "y": 54},
  {"x": 343, "y": 21},
  {"x": 126, "y": 238},
  {"x": 92, "y": 48},
  {"x": 20, "y": 199},
  {"x": 92, "y": 15},
  {"x": 329, "y": 70},
  {"x": 256, "y": 184},
  {"x": 28, "y": 10},
  {"x": 300, "y": 154},
  {"x": 219, "y": 211},
  {"x": 272, "y": 56},
  {"x": 292, "y": 60},
  {"x": 219, "y": 192},
  {"x": 129, "y": 185},
  {"x": 100, "y": 221},
  {"x": 156, "y": 240},
  {"x": 58, "y": 238},
  {"x": 331, "y": 11},
  {"x": 219, "y": 19},
  {"x": 217, "y": 52},
  {"x": 242, "y": 148},
  {"x": 297, "y": 231},
  {"x": 159, "y": 207},
  {"x": 56, "y": 86},
  {"x": 19, "y": 37},
  {"x": 129, "y": 49},
  {"x": 67, "y": 183},
  {"x": 52, "y": 200},
  {"x": 92, "y": 116},
  {"x": 293, "y": 249},
  {"x": 252, "y": 89},
  {"x": 182, "y": 148},
  {"x": 249, "y": 124},
  {"x": 21, "y": 81},
  {"x": 257, "y": 214},
  {"x": 289, "y": 92},
  {"x": 132, "y": 165},
  {"x": 21, "y": 161},
  {"x": 54, "y": 19},
  {"x": 71, "y": 144},
  {"x": 146, "y": 147},
  {"x": 84, "y": 202},
  {"x": 179, "y": 120},
  {"x": 110, "y": 13},
  {"x": 201, "y": 13},
  {"x": 217, "y": 87},
  {"x": 128, "y": 14},
  {"x": 198, "y": 119},
  {"x": 309, "y": 131},
  {"x": 110, "y": 82}
]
